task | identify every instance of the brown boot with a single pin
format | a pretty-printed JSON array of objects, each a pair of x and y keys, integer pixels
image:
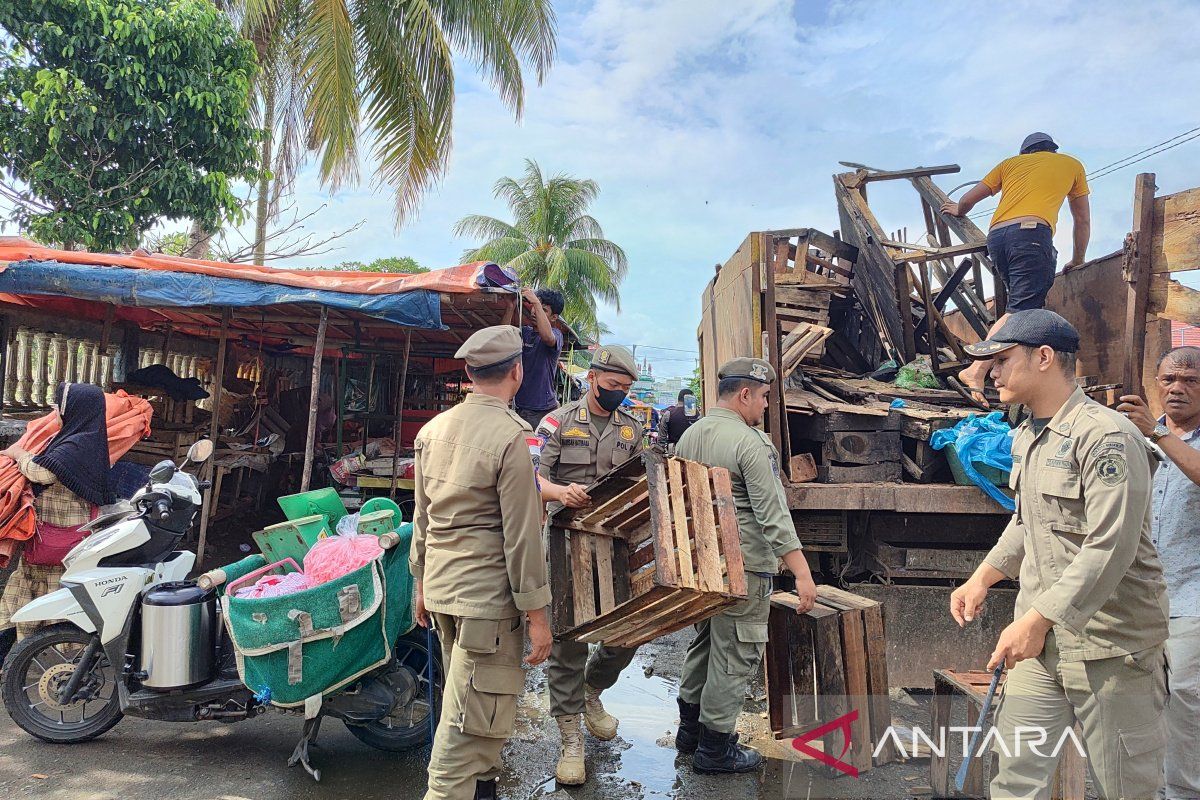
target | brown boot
[
  {"x": 570, "y": 770},
  {"x": 602, "y": 724}
]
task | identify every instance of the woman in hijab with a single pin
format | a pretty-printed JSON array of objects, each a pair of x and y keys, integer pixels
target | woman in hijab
[{"x": 70, "y": 480}]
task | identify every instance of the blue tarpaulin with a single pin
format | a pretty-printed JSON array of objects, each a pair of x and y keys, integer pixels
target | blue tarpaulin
[{"x": 146, "y": 288}]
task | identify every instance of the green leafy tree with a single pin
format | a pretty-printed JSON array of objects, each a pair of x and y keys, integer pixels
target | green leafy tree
[
  {"x": 341, "y": 72},
  {"x": 404, "y": 264},
  {"x": 696, "y": 382},
  {"x": 115, "y": 114},
  {"x": 552, "y": 242}
]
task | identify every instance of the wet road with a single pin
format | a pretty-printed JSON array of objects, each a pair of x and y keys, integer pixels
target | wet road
[{"x": 141, "y": 760}]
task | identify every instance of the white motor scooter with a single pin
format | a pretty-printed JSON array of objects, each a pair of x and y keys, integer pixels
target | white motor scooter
[{"x": 132, "y": 636}]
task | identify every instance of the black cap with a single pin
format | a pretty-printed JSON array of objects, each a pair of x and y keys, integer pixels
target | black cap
[
  {"x": 1037, "y": 137},
  {"x": 1036, "y": 327}
]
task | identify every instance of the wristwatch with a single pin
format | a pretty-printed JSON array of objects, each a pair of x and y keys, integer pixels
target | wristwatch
[{"x": 1159, "y": 432}]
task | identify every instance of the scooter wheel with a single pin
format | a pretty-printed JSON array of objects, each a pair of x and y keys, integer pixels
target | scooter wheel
[
  {"x": 37, "y": 667},
  {"x": 409, "y": 725}
]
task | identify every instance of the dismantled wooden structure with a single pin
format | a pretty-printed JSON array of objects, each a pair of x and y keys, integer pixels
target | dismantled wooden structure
[
  {"x": 658, "y": 550},
  {"x": 828, "y": 663},
  {"x": 876, "y": 507}
]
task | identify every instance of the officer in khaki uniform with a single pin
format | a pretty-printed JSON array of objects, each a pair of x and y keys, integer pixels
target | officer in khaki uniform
[
  {"x": 728, "y": 648},
  {"x": 479, "y": 562},
  {"x": 584, "y": 440},
  {"x": 1086, "y": 645}
]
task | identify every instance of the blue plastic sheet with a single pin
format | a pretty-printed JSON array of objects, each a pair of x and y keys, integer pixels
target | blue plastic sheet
[
  {"x": 981, "y": 440},
  {"x": 148, "y": 288}
]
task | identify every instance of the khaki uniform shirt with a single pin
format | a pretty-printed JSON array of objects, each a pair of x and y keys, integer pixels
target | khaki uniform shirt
[
  {"x": 477, "y": 544},
  {"x": 577, "y": 452},
  {"x": 1080, "y": 537},
  {"x": 723, "y": 439}
]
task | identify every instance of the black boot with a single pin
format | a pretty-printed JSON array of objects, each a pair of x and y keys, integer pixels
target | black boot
[
  {"x": 485, "y": 790},
  {"x": 688, "y": 737},
  {"x": 719, "y": 753}
]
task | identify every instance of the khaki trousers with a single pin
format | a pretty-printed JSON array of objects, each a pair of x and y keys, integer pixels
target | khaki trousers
[
  {"x": 1118, "y": 703},
  {"x": 571, "y": 667},
  {"x": 722, "y": 658},
  {"x": 481, "y": 659},
  {"x": 1183, "y": 710}
]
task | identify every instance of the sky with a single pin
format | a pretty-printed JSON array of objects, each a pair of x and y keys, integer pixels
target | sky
[{"x": 704, "y": 120}]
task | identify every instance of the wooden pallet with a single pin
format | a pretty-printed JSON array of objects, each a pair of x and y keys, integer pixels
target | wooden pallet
[
  {"x": 827, "y": 663},
  {"x": 658, "y": 550}
]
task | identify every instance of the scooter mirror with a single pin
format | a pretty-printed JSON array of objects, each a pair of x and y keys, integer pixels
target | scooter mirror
[
  {"x": 200, "y": 451},
  {"x": 162, "y": 472}
]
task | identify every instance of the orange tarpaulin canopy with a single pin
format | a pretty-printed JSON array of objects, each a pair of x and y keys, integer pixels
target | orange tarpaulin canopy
[{"x": 452, "y": 280}]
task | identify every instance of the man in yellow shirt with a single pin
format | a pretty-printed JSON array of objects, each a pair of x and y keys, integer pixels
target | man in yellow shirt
[{"x": 1020, "y": 241}]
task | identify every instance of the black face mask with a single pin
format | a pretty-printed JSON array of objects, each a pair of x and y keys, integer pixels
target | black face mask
[{"x": 610, "y": 399}]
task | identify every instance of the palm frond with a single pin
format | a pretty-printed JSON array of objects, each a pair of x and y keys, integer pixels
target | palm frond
[
  {"x": 610, "y": 253},
  {"x": 409, "y": 91},
  {"x": 503, "y": 251},
  {"x": 480, "y": 226},
  {"x": 332, "y": 83}
]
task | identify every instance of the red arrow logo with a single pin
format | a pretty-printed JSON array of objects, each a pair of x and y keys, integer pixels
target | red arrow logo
[{"x": 843, "y": 723}]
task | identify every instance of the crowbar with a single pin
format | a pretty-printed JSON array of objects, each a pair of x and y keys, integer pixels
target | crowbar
[{"x": 960, "y": 778}]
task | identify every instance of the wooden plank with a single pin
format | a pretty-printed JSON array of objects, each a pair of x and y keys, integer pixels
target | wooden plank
[
  {"x": 873, "y": 281},
  {"x": 935, "y": 254},
  {"x": 704, "y": 528},
  {"x": 854, "y": 658},
  {"x": 802, "y": 297},
  {"x": 604, "y": 572},
  {"x": 683, "y": 542},
  {"x": 624, "y": 518},
  {"x": 1137, "y": 269},
  {"x": 877, "y": 681},
  {"x": 910, "y": 498},
  {"x": 731, "y": 539},
  {"x": 666, "y": 573},
  {"x": 562, "y": 592},
  {"x": 628, "y": 497},
  {"x": 1176, "y": 232},
  {"x": 831, "y": 677},
  {"x": 888, "y": 472},
  {"x": 581, "y": 578},
  {"x": 891, "y": 175},
  {"x": 939, "y": 765}
]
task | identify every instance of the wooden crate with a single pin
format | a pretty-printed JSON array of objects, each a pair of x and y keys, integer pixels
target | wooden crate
[
  {"x": 1070, "y": 778},
  {"x": 825, "y": 664},
  {"x": 821, "y": 533},
  {"x": 852, "y": 448},
  {"x": 658, "y": 550}
]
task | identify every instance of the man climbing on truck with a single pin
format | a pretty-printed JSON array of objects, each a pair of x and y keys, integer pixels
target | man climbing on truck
[{"x": 1020, "y": 242}]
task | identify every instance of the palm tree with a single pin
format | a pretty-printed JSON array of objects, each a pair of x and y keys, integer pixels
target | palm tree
[
  {"x": 552, "y": 243},
  {"x": 337, "y": 72}
]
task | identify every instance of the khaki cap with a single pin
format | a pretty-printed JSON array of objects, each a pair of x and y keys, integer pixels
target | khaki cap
[
  {"x": 490, "y": 346},
  {"x": 752, "y": 369},
  {"x": 613, "y": 358}
]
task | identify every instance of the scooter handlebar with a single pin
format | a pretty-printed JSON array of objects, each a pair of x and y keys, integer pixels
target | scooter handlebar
[{"x": 162, "y": 508}]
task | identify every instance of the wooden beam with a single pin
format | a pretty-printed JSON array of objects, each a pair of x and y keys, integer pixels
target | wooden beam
[
  {"x": 314, "y": 396},
  {"x": 916, "y": 172},
  {"x": 1176, "y": 245},
  {"x": 934, "y": 254},
  {"x": 214, "y": 428},
  {"x": 963, "y": 228},
  {"x": 397, "y": 430},
  {"x": 1136, "y": 267}
]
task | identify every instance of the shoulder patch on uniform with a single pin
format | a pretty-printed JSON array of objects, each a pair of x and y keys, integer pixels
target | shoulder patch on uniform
[
  {"x": 548, "y": 426},
  {"x": 582, "y": 416},
  {"x": 1111, "y": 468}
]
